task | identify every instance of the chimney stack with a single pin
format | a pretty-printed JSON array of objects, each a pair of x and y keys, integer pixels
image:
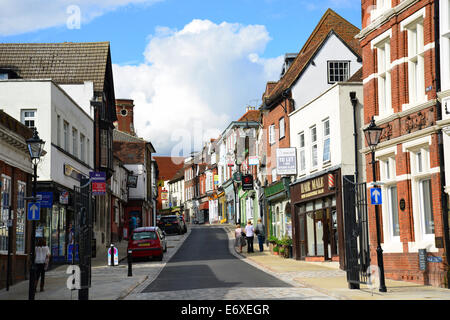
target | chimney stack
[
  {"x": 249, "y": 108},
  {"x": 125, "y": 116}
]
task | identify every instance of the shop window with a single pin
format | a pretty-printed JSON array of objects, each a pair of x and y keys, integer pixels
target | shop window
[
  {"x": 4, "y": 211},
  {"x": 20, "y": 220}
]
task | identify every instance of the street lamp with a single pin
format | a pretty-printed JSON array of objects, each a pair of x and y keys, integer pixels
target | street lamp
[
  {"x": 35, "y": 148},
  {"x": 373, "y": 135}
]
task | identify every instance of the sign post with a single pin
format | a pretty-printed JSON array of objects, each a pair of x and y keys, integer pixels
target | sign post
[
  {"x": 34, "y": 211},
  {"x": 98, "y": 180}
]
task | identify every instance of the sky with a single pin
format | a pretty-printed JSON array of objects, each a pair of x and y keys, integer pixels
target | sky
[{"x": 191, "y": 66}]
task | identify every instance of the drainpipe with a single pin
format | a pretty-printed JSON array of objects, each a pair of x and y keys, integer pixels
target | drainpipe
[
  {"x": 444, "y": 202},
  {"x": 354, "y": 101}
]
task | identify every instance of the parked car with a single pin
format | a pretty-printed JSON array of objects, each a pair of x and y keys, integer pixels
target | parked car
[
  {"x": 147, "y": 242},
  {"x": 172, "y": 224}
]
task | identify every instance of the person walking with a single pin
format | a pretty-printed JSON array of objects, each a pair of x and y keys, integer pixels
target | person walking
[
  {"x": 41, "y": 261},
  {"x": 250, "y": 234},
  {"x": 261, "y": 234},
  {"x": 239, "y": 238}
]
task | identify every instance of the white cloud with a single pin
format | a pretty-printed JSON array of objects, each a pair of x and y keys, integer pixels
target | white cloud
[
  {"x": 20, "y": 16},
  {"x": 195, "y": 81}
]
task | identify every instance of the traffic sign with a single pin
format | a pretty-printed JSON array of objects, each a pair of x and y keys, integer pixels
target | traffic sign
[
  {"x": 34, "y": 211},
  {"x": 375, "y": 196}
]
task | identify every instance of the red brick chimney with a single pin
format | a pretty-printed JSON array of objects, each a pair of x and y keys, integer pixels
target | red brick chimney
[{"x": 125, "y": 116}]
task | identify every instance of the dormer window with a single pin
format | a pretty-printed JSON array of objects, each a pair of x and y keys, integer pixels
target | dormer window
[{"x": 338, "y": 71}]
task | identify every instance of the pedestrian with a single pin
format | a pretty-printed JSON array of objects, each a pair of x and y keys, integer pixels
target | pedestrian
[
  {"x": 261, "y": 234},
  {"x": 250, "y": 234},
  {"x": 41, "y": 261},
  {"x": 240, "y": 240}
]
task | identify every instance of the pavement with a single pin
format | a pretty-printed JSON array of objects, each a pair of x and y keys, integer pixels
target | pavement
[{"x": 113, "y": 283}]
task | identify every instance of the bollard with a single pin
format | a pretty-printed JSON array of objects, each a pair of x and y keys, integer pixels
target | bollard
[
  {"x": 130, "y": 267},
  {"x": 112, "y": 255}
]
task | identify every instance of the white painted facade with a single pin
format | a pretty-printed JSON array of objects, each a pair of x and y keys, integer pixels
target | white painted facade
[
  {"x": 140, "y": 192},
  {"x": 52, "y": 105},
  {"x": 314, "y": 79},
  {"x": 333, "y": 105}
]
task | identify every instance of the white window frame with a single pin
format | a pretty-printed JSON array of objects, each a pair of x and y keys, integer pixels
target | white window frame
[
  {"x": 314, "y": 147},
  {"x": 346, "y": 70},
  {"x": 302, "y": 152},
  {"x": 271, "y": 134},
  {"x": 274, "y": 174},
  {"x": 422, "y": 145},
  {"x": 66, "y": 135},
  {"x": 58, "y": 130},
  {"x": 381, "y": 7},
  {"x": 382, "y": 45},
  {"x": 282, "y": 128},
  {"x": 445, "y": 43},
  {"x": 74, "y": 141},
  {"x": 416, "y": 58},
  {"x": 326, "y": 137},
  {"x": 24, "y": 117},
  {"x": 82, "y": 147}
]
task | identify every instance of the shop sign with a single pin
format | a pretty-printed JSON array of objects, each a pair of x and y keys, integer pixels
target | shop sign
[
  {"x": 216, "y": 179},
  {"x": 46, "y": 199},
  {"x": 72, "y": 172},
  {"x": 286, "y": 161},
  {"x": 247, "y": 182},
  {"x": 164, "y": 195},
  {"x": 64, "y": 197},
  {"x": 132, "y": 181},
  {"x": 312, "y": 188},
  {"x": 253, "y": 161},
  {"x": 98, "y": 180}
]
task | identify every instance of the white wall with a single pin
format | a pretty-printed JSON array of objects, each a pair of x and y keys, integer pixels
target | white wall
[
  {"x": 334, "y": 105},
  {"x": 140, "y": 192},
  {"x": 314, "y": 79},
  {"x": 82, "y": 94},
  {"x": 50, "y": 100}
]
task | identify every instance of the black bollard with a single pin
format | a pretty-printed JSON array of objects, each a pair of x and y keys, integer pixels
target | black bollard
[
  {"x": 112, "y": 255},
  {"x": 130, "y": 267}
]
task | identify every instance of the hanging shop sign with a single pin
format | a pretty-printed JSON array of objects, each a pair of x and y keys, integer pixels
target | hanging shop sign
[
  {"x": 46, "y": 199},
  {"x": 247, "y": 182},
  {"x": 64, "y": 197},
  {"x": 164, "y": 195},
  {"x": 98, "y": 180},
  {"x": 253, "y": 161},
  {"x": 132, "y": 181}
]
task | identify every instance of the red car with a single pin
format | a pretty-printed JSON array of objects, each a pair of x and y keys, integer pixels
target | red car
[{"x": 147, "y": 242}]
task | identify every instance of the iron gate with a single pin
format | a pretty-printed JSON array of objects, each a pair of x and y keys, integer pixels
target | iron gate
[
  {"x": 356, "y": 228},
  {"x": 83, "y": 203}
]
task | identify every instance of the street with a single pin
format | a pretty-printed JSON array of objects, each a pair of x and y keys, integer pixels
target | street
[{"x": 204, "y": 268}]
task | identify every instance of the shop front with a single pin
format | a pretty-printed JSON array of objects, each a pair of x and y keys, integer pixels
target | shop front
[
  {"x": 222, "y": 207},
  {"x": 230, "y": 196},
  {"x": 317, "y": 220},
  {"x": 279, "y": 209},
  {"x": 56, "y": 220}
]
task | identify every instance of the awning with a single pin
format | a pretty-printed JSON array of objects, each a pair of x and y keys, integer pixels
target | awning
[{"x": 204, "y": 206}]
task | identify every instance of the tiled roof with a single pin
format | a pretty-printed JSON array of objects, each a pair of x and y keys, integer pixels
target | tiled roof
[
  {"x": 64, "y": 63},
  {"x": 251, "y": 115},
  {"x": 168, "y": 166},
  {"x": 330, "y": 22},
  {"x": 178, "y": 176},
  {"x": 356, "y": 77}
]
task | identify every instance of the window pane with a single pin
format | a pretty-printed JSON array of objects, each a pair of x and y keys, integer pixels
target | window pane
[
  {"x": 394, "y": 211},
  {"x": 326, "y": 150},
  {"x": 314, "y": 155},
  {"x": 427, "y": 209}
]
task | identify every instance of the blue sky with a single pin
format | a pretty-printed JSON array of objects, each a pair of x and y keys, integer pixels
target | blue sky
[{"x": 193, "y": 56}]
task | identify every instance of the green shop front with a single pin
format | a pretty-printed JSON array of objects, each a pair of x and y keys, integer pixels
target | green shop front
[
  {"x": 248, "y": 206},
  {"x": 279, "y": 209}
]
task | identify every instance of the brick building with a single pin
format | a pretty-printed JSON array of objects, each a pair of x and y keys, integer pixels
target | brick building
[
  {"x": 15, "y": 183},
  {"x": 399, "y": 76}
]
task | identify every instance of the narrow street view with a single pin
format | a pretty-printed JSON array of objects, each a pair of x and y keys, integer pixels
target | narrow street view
[{"x": 211, "y": 152}]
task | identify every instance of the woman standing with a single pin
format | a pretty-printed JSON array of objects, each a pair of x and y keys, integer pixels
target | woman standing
[
  {"x": 250, "y": 233},
  {"x": 240, "y": 240},
  {"x": 42, "y": 259},
  {"x": 261, "y": 234}
]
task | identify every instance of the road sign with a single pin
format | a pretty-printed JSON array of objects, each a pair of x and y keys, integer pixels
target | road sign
[
  {"x": 34, "y": 211},
  {"x": 375, "y": 196},
  {"x": 46, "y": 199}
]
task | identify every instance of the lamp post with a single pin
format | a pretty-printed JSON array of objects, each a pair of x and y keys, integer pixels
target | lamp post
[
  {"x": 35, "y": 145},
  {"x": 373, "y": 134}
]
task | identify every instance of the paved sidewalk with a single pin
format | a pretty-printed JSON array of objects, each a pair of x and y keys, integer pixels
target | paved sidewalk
[
  {"x": 326, "y": 277},
  {"x": 108, "y": 283}
]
